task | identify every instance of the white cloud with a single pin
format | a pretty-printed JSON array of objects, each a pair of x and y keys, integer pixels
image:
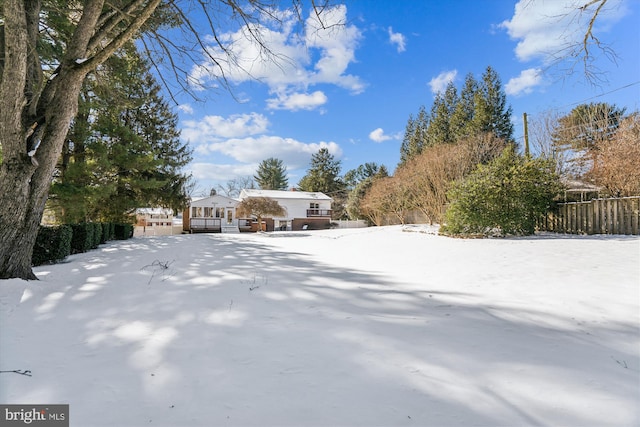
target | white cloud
[
  {"x": 203, "y": 171},
  {"x": 186, "y": 108},
  {"x": 290, "y": 65},
  {"x": 525, "y": 82},
  {"x": 544, "y": 28},
  {"x": 243, "y": 139},
  {"x": 439, "y": 83},
  {"x": 293, "y": 153},
  {"x": 378, "y": 135},
  {"x": 212, "y": 127},
  {"x": 398, "y": 39},
  {"x": 297, "y": 101}
]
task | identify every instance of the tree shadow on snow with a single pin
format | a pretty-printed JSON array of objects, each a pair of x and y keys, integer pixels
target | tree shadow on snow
[{"x": 235, "y": 332}]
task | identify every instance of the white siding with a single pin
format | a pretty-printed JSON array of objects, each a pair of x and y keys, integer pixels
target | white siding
[
  {"x": 295, "y": 203},
  {"x": 298, "y": 208}
]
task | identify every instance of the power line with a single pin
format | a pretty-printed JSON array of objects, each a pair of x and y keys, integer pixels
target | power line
[{"x": 601, "y": 95}]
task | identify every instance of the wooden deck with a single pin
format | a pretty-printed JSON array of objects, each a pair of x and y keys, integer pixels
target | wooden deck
[{"x": 205, "y": 225}]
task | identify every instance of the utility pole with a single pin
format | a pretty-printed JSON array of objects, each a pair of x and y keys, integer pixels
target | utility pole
[{"x": 526, "y": 135}]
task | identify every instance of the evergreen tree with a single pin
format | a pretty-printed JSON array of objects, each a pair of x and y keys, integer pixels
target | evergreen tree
[
  {"x": 71, "y": 190},
  {"x": 439, "y": 130},
  {"x": 584, "y": 131},
  {"x": 415, "y": 136},
  {"x": 368, "y": 170},
  {"x": 463, "y": 112},
  {"x": 272, "y": 175},
  {"x": 480, "y": 109},
  {"x": 323, "y": 174},
  {"x": 359, "y": 181},
  {"x": 406, "y": 145},
  {"x": 491, "y": 113},
  {"x": 587, "y": 126},
  {"x": 121, "y": 158}
]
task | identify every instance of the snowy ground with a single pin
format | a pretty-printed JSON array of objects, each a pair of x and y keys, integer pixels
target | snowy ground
[{"x": 364, "y": 327}]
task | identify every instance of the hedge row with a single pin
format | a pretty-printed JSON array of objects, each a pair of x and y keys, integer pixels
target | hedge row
[{"x": 54, "y": 244}]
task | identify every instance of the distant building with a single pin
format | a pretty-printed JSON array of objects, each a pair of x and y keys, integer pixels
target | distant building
[
  {"x": 580, "y": 191},
  {"x": 154, "y": 217}
]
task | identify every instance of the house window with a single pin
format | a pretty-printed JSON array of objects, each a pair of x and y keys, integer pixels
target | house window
[
  {"x": 220, "y": 213},
  {"x": 314, "y": 205},
  {"x": 196, "y": 212},
  {"x": 208, "y": 212}
]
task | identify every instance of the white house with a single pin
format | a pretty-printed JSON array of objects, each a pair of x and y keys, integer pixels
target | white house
[
  {"x": 304, "y": 210},
  {"x": 215, "y": 213}
]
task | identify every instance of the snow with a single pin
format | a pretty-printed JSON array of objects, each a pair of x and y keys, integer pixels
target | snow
[{"x": 385, "y": 326}]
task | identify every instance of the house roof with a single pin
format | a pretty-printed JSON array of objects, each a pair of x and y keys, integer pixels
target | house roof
[
  {"x": 577, "y": 186},
  {"x": 279, "y": 194},
  {"x": 154, "y": 211},
  {"x": 210, "y": 200}
]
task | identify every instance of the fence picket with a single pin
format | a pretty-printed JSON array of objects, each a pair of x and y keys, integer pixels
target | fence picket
[{"x": 598, "y": 216}]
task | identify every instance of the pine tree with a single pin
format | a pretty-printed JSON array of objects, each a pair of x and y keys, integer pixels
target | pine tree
[
  {"x": 406, "y": 145},
  {"x": 362, "y": 172},
  {"x": 119, "y": 159},
  {"x": 584, "y": 131},
  {"x": 588, "y": 125},
  {"x": 439, "y": 130},
  {"x": 272, "y": 175},
  {"x": 463, "y": 112},
  {"x": 491, "y": 113},
  {"x": 359, "y": 181},
  {"x": 323, "y": 174},
  {"x": 415, "y": 136},
  {"x": 479, "y": 110}
]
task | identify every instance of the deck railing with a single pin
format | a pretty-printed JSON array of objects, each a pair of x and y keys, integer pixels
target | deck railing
[
  {"x": 318, "y": 212},
  {"x": 205, "y": 223}
]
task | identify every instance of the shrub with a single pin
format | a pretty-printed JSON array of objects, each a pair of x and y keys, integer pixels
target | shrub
[
  {"x": 112, "y": 231},
  {"x": 97, "y": 234},
  {"x": 503, "y": 197},
  {"x": 123, "y": 231},
  {"x": 52, "y": 244},
  {"x": 82, "y": 239},
  {"x": 104, "y": 236}
]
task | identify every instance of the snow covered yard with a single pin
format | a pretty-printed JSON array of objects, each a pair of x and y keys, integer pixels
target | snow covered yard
[{"x": 362, "y": 327}]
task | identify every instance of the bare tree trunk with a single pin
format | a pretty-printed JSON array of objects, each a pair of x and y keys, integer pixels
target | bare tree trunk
[
  {"x": 34, "y": 121},
  {"x": 24, "y": 186},
  {"x": 16, "y": 239}
]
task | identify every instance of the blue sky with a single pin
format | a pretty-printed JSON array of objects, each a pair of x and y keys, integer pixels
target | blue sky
[{"x": 352, "y": 88}]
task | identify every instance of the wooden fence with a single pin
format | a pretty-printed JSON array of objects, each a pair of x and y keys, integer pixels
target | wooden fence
[{"x": 599, "y": 216}]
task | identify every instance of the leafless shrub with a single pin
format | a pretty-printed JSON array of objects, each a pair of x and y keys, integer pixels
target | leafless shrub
[{"x": 618, "y": 168}]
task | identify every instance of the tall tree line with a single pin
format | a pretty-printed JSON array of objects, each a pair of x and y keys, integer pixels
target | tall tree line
[
  {"x": 480, "y": 107},
  {"x": 441, "y": 145}
]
